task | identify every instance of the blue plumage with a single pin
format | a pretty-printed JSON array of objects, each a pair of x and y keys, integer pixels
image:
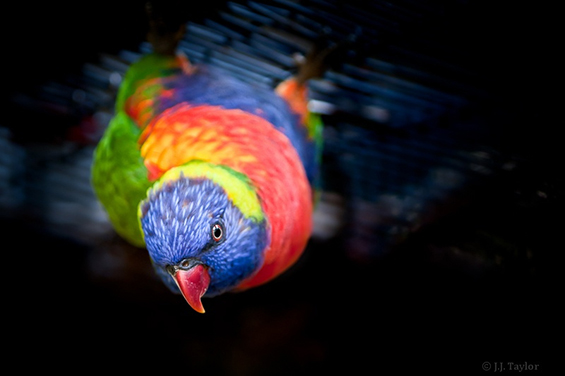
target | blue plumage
[{"x": 178, "y": 221}]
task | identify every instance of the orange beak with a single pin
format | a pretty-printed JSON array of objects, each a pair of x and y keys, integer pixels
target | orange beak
[{"x": 193, "y": 284}]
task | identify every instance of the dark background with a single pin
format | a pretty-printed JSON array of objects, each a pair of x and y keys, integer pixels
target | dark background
[{"x": 446, "y": 221}]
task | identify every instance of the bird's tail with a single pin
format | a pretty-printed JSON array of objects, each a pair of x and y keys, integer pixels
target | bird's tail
[
  {"x": 323, "y": 55},
  {"x": 166, "y": 22}
]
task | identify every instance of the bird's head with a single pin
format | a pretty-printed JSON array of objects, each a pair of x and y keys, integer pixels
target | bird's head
[{"x": 204, "y": 229}]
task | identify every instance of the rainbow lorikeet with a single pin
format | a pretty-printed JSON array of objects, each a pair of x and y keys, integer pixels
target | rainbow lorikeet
[{"x": 212, "y": 175}]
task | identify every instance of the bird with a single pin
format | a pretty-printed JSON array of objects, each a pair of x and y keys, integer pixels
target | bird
[{"x": 215, "y": 177}]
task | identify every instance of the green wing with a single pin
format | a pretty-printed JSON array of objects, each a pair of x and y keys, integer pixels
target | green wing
[
  {"x": 147, "y": 67},
  {"x": 315, "y": 128},
  {"x": 119, "y": 176}
]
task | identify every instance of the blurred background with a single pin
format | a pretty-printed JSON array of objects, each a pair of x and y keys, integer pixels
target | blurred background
[{"x": 439, "y": 223}]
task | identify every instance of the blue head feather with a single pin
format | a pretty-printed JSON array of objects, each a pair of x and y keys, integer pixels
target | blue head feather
[{"x": 177, "y": 221}]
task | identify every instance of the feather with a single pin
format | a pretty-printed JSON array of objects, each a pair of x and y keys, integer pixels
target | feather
[{"x": 212, "y": 175}]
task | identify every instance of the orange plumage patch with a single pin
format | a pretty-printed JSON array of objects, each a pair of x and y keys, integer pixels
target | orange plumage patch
[{"x": 296, "y": 95}]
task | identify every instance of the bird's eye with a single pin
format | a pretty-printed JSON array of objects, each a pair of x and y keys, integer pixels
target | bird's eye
[
  {"x": 185, "y": 263},
  {"x": 217, "y": 232}
]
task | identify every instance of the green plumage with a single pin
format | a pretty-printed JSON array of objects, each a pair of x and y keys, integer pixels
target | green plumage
[
  {"x": 147, "y": 67},
  {"x": 119, "y": 176}
]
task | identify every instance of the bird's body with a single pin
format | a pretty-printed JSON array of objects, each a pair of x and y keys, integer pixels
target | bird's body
[{"x": 214, "y": 176}]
